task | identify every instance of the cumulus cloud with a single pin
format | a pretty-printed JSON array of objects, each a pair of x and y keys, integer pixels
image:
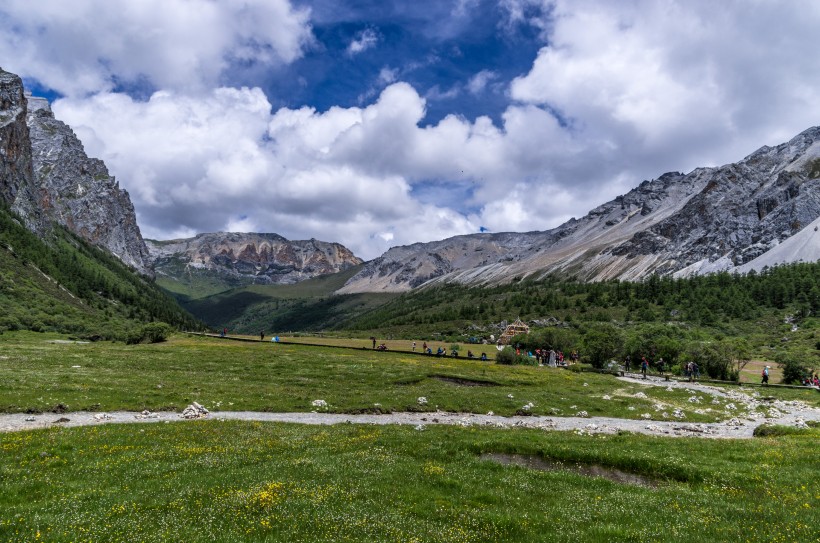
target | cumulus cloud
[
  {"x": 689, "y": 83},
  {"x": 88, "y": 46}
]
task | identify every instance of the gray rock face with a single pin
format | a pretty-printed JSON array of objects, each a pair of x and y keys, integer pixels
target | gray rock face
[
  {"x": 709, "y": 220},
  {"x": 78, "y": 192},
  {"x": 46, "y": 177},
  {"x": 16, "y": 173},
  {"x": 256, "y": 258}
]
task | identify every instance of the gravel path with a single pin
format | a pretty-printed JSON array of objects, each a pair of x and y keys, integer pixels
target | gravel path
[{"x": 750, "y": 415}]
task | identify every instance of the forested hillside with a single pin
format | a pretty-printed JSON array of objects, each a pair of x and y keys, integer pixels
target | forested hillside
[{"x": 64, "y": 284}]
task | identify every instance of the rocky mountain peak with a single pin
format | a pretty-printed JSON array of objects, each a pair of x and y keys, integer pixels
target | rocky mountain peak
[
  {"x": 46, "y": 176},
  {"x": 246, "y": 258},
  {"x": 16, "y": 172},
  {"x": 79, "y": 193}
]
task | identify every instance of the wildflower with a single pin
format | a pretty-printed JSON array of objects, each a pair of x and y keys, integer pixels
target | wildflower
[{"x": 422, "y": 400}]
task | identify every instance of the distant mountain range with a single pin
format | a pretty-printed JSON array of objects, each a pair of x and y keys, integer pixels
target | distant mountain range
[{"x": 754, "y": 213}]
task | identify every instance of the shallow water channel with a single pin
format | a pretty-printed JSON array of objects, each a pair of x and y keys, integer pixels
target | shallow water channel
[{"x": 589, "y": 470}]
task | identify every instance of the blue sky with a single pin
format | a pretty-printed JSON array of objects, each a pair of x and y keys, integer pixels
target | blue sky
[{"x": 383, "y": 123}]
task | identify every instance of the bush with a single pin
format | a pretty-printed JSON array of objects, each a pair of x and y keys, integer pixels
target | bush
[
  {"x": 774, "y": 430},
  {"x": 153, "y": 332},
  {"x": 794, "y": 371},
  {"x": 509, "y": 358}
]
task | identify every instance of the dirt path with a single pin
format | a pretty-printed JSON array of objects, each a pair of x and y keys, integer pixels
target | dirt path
[{"x": 752, "y": 412}]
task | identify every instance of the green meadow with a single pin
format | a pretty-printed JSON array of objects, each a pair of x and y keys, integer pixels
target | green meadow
[
  {"x": 211, "y": 481},
  {"x": 41, "y": 373},
  {"x": 215, "y": 481}
]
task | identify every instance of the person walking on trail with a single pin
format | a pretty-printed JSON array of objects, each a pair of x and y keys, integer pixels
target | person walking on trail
[
  {"x": 262, "y": 335},
  {"x": 765, "y": 375},
  {"x": 644, "y": 366}
]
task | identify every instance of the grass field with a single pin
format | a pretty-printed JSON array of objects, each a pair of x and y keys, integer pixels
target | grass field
[
  {"x": 39, "y": 373},
  {"x": 216, "y": 481}
]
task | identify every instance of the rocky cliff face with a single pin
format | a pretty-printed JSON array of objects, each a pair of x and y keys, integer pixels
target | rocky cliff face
[
  {"x": 16, "y": 172},
  {"x": 78, "y": 192},
  {"x": 254, "y": 258},
  {"x": 45, "y": 177},
  {"x": 711, "y": 219}
]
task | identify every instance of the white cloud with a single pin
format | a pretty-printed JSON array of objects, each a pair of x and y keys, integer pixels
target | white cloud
[
  {"x": 678, "y": 84},
  {"x": 87, "y": 46},
  {"x": 479, "y": 81},
  {"x": 388, "y": 75},
  {"x": 364, "y": 40},
  {"x": 622, "y": 92}
]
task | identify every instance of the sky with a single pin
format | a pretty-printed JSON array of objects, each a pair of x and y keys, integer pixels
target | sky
[{"x": 376, "y": 123}]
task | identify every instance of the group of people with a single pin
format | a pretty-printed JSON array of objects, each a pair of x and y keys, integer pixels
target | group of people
[
  {"x": 691, "y": 370},
  {"x": 550, "y": 357},
  {"x": 812, "y": 381}
]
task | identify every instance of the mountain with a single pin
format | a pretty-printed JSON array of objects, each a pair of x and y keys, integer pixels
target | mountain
[
  {"x": 78, "y": 192},
  {"x": 16, "y": 171},
  {"x": 712, "y": 219},
  {"x": 210, "y": 263},
  {"x": 59, "y": 282},
  {"x": 46, "y": 177}
]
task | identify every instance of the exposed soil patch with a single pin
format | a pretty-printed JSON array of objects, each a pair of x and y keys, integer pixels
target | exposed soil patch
[
  {"x": 461, "y": 381},
  {"x": 588, "y": 470}
]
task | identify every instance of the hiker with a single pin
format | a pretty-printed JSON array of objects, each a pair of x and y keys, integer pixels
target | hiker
[
  {"x": 470, "y": 354},
  {"x": 695, "y": 370},
  {"x": 262, "y": 335},
  {"x": 484, "y": 357},
  {"x": 424, "y": 346},
  {"x": 414, "y": 346},
  {"x": 440, "y": 351},
  {"x": 765, "y": 375},
  {"x": 374, "y": 341},
  {"x": 644, "y": 366},
  {"x": 626, "y": 364}
]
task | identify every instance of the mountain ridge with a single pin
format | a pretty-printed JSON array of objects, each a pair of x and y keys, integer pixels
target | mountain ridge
[
  {"x": 247, "y": 258},
  {"x": 676, "y": 224}
]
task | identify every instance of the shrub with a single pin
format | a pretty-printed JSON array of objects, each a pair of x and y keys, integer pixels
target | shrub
[
  {"x": 774, "y": 430},
  {"x": 509, "y": 358},
  {"x": 794, "y": 371},
  {"x": 153, "y": 332}
]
